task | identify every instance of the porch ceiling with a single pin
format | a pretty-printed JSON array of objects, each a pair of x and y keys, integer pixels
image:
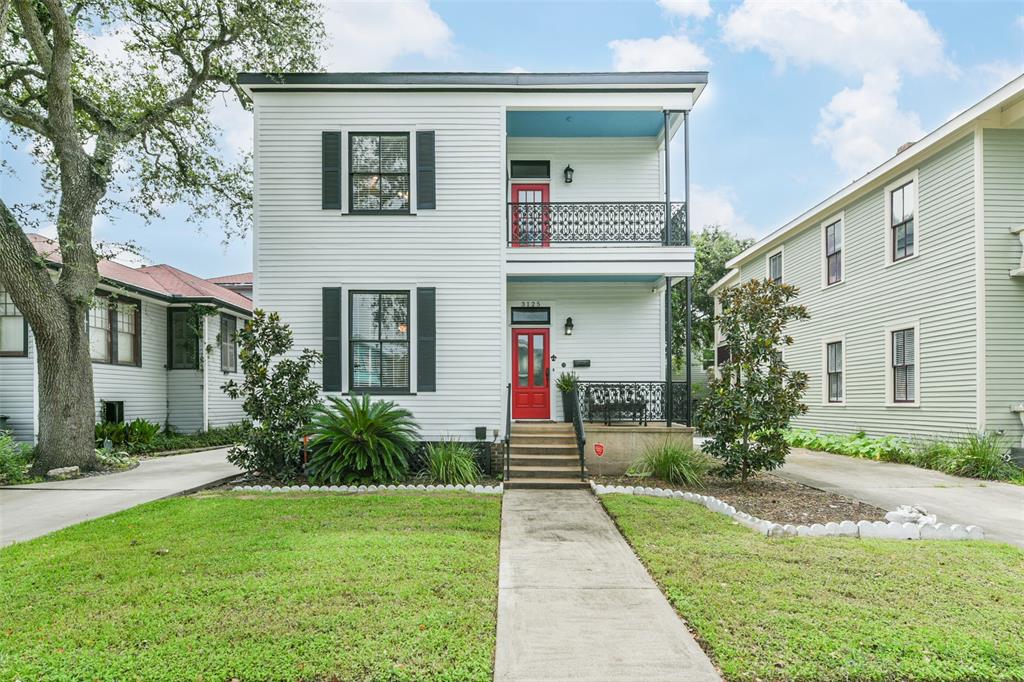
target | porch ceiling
[
  {"x": 632, "y": 123},
  {"x": 649, "y": 279}
]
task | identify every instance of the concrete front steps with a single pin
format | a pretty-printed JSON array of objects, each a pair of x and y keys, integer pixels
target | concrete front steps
[{"x": 542, "y": 455}]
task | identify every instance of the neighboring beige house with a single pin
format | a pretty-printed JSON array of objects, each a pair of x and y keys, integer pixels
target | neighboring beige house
[
  {"x": 150, "y": 359},
  {"x": 914, "y": 279}
]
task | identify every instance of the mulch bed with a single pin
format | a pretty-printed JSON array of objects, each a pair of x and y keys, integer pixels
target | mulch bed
[{"x": 770, "y": 497}]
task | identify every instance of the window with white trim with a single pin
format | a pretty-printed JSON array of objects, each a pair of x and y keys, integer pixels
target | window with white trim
[
  {"x": 379, "y": 172},
  {"x": 775, "y": 267},
  {"x": 834, "y": 371},
  {"x": 13, "y": 330},
  {"x": 834, "y": 252},
  {"x": 903, "y": 366},
  {"x": 228, "y": 344},
  {"x": 379, "y": 351},
  {"x": 902, "y": 208}
]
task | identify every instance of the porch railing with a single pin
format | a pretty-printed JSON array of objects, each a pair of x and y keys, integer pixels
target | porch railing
[
  {"x": 508, "y": 431},
  {"x": 595, "y": 222},
  {"x": 581, "y": 434},
  {"x": 640, "y": 402}
]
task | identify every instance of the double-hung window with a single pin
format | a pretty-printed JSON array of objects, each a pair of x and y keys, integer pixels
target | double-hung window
[
  {"x": 834, "y": 252},
  {"x": 379, "y": 354},
  {"x": 379, "y": 172},
  {"x": 834, "y": 371},
  {"x": 903, "y": 366},
  {"x": 183, "y": 339},
  {"x": 13, "y": 330},
  {"x": 228, "y": 344},
  {"x": 775, "y": 267},
  {"x": 902, "y": 208},
  {"x": 115, "y": 331}
]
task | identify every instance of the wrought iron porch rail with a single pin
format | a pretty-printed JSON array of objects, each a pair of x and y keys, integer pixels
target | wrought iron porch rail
[
  {"x": 595, "y": 222},
  {"x": 641, "y": 402}
]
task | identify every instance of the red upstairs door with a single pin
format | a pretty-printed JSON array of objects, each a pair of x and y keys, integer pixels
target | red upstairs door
[
  {"x": 530, "y": 215},
  {"x": 531, "y": 364}
]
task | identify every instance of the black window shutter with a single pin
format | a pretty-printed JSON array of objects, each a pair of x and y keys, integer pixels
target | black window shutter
[
  {"x": 330, "y": 169},
  {"x": 426, "y": 176},
  {"x": 332, "y": 338},
  {"x": 426, "y": 341}
]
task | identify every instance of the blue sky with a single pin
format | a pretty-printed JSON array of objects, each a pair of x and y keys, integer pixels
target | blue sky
[{"x": 803, "y": 97}]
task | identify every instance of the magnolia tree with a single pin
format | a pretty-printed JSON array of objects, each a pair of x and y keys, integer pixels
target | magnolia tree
[
  {"x": 115, "y": 100},
  {"x": 748, "y": 407}
]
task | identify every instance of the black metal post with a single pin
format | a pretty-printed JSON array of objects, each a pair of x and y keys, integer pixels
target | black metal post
[
  {"x": 668, "y": 351},
  {"x": 689, "y": 280},
  {"x": 668, "y": 189}
]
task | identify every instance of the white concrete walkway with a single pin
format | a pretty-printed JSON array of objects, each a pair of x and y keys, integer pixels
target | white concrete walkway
[
  {"x": 575, "y": 603},
  {"x": 33, "y": 510},
  {"x": 997, "y": 507}
]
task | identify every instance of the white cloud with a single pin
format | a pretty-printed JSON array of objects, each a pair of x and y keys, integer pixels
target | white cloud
[
  {"x": 717, "y": 206},
  {"x": 862, "y": 127},
  {"x": 517, "y": 69},
  {"x": 1000, "y": 72},
  {"x": 1020, "y": 22},
  {"x": 667, "y": 53},
  {"x": 699, "y": 9},
  {"x": 369, "y": 36},
  {"x": 852, "y": 37}
]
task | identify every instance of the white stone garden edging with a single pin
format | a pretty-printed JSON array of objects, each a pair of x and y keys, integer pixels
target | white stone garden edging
[
  {"x": 850, "y": 529},
  {"x": 482, "y": 489}
]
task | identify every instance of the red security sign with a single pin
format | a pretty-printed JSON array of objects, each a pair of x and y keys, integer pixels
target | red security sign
[{"x": 599, "y": 449}]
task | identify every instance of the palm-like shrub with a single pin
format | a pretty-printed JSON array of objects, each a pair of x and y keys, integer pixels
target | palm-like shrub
[
  {"x": 361, "y": 441},
  {"x": 450, "y": 462},
  {"x": 673, "y": 463}
]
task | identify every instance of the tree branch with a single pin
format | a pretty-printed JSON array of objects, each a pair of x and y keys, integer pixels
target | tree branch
[
  {"x": 22, "y": 116},
  {"x": 34, "y": 33},
  {"x": 22, "y": 273}
]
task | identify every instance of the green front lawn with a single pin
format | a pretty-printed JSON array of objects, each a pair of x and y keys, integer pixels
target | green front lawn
[
  {"x": 282, "y": 587},
  {"x": 833, "y": 608}
]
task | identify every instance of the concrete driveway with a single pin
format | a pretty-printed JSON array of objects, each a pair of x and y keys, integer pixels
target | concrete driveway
[
  {"x": 997, "y": 507},
  {"x": 32, "y": 510}
]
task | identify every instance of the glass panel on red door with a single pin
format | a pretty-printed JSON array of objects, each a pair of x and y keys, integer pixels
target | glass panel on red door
[{"x": 531, "y": 397}]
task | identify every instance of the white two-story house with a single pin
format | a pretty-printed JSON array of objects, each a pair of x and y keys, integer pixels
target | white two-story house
[
  {"x": 914, "y": 279},
  {"x": 455, "y": 241}
]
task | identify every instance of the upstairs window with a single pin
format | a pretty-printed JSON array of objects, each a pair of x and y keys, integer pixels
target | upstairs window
[
  {"x": 183, "y": 339},
  {"x": 775, "y": 267},
  {"x": 902, "y": 207},
  {"x": 228, "y": 343},
  {"x": 834, "y": 252},
  {"x": 13, "y": 329},
  {"x": 379, "y": 341},
  {"x": 379, "y": 172},
  {"x": 904, "y": 367},
  {"x": 834, "y": 371}
]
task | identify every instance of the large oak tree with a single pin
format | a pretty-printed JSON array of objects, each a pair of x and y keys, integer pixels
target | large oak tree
[{"x": 116, "y": 100}]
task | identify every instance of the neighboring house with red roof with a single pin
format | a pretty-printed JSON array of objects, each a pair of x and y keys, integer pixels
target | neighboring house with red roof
[
  {"x": 153, "y": 355},
  {"x": 241, "y": 283}
]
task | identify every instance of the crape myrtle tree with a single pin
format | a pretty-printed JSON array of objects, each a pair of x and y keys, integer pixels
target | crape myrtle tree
[
  {"x": 747, "y": 409},
  {"x": 115, "y": 99}
]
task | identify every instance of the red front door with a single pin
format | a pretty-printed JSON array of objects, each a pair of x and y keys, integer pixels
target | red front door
[
  {"x": 530, "y": 215},
  {"x": 531, "y": 362}
]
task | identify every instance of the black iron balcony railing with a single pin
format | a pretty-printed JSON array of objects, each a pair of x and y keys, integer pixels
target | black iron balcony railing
[
  {"x": 595, "y": 222},
  {"x": 641, "y": 402}
]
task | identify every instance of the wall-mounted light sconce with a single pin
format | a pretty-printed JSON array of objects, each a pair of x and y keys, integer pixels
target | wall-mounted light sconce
[
  {"x": 567, "y": 174},
  {"x": 568, "y": 326}
]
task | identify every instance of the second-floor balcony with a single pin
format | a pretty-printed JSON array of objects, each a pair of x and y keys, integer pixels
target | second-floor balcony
[{"x": 619, "y": 223}]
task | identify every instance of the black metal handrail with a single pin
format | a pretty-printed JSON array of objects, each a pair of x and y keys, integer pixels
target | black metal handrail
[
  {"x": 595, "y": 222},
  {"x": 641, "y": 402},
  {"x": 581, "y": 434},
  {"x": 508, "y": 429}
]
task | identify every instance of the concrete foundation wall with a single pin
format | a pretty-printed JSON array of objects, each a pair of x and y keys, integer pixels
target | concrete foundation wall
[{"x": 623, "y": 445}]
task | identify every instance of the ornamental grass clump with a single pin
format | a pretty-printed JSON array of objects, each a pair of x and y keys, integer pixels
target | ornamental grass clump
[
  {"x": 673, "y": 463},
  {"x": 980, "y": 455},
  {"x": 450, "y": 462},
  {"x": 360, "y": 440}
]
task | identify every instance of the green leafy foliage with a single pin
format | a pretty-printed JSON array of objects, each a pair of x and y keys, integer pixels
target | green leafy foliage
[
  {"x": 15, "y": 460},
  {"x": 278, "y": 397},
  {"x": 975, "y": 455},
  {"x": 114, "y": 459},
  {"x": 450, "y": 462},
  {"x": 361, "y": 440},
  {"x": 170, "y": 441},
  {"x": 746, "y": 411},
  {"x": 136, "y": 433},
  {"x": 673, "y": 463},
  {"x": 567, "y": 382}
]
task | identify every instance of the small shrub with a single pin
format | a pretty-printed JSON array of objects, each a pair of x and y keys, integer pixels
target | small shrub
[
  {"x": 361, "y": 441},
  {"x": 112, "y": 459},
  {"x": 15, "y": 460},
  {"x": 567, "y": 382},
  {"x": 170, "y": 441},
  {"x": 138, "y": 432},
  {"x": 450, "y": 462},
  {"x": 980, "y": 455},
  {"x": 673, "y": 463}
]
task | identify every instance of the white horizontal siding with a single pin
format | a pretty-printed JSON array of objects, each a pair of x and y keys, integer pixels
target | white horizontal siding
[
  {"x": 221, "y": 410},
  {"x": 605, "y": 168},
  {"x": 457, "y": 248},
  {"x": 619, "y": 327},
  {"x": 185, "y": 400},
  {"x": 937, "y": 288},
  {"x": 17, "y": 392},
  {"x": 1003, "y": 185}
]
